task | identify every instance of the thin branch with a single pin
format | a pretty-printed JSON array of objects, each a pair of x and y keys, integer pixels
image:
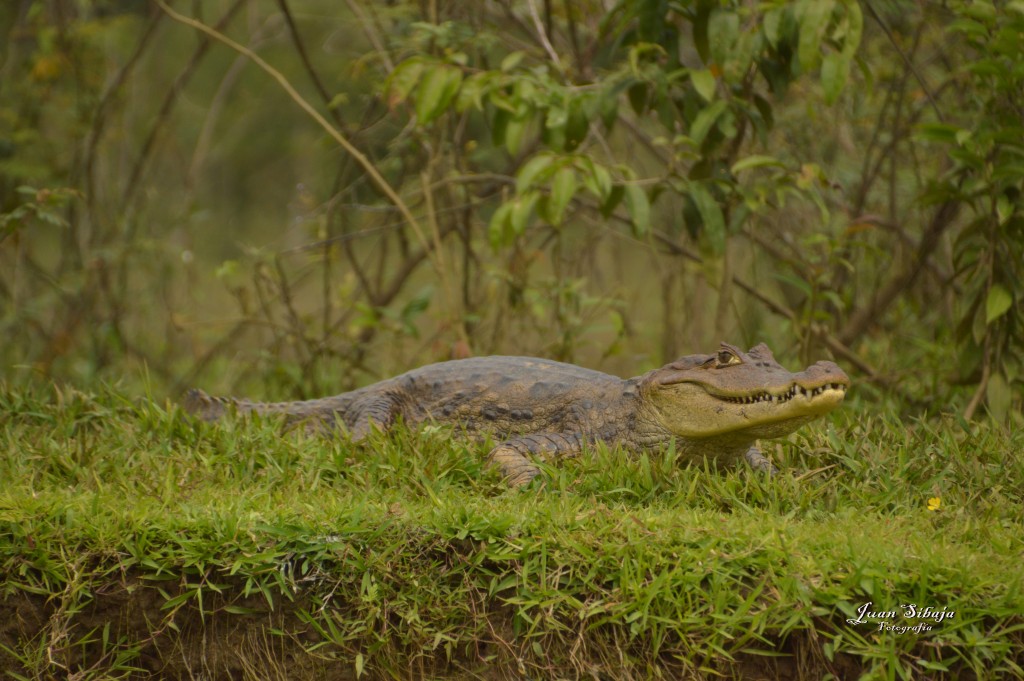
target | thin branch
[
  {"x": 906, "y": 59},
  {"x": 372, "y": 34},
  {"x": 865, "y": 317},
  {"x": 99, "y": 119},
  {"x": 300, "y": 47},
  {"x": 169, "y": 100},
  {"x": 335, "y": 134},
  {"x": 542, "y": 35}
]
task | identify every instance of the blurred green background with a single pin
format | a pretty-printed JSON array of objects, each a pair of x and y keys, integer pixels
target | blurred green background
[{"x": 609, "y": 183}]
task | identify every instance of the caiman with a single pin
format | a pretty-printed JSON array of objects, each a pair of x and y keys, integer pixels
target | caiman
[{"x": 715, "y": 406}]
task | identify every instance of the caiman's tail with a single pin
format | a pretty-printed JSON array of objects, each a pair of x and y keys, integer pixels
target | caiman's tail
[
  {"x": 206, "y": 407},
  {"x": 211, "y": 407}
]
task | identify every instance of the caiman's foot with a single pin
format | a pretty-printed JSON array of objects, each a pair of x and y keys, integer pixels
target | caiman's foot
[
  {"x": 515, "y": 456},
  {"x": 517, "y": 469},
  {"x": 759, "y": 462}
]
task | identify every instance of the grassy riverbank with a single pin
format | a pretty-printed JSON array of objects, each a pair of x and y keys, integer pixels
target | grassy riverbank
[{"x": 135, "y": 541}]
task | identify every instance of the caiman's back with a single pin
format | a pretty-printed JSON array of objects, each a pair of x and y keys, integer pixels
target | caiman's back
[{"x": 502, "y": 395}]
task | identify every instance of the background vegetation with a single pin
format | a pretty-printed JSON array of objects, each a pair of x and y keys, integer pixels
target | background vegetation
[
  {"x": 290, "y": 198},
  {"x": 609, "y": 183}
]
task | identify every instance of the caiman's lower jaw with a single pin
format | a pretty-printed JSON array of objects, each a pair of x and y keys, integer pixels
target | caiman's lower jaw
[{"x": 826, "y": 394}]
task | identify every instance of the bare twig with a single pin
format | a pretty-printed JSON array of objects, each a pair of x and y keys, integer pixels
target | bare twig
[
  {"x": 335, "y": 134},
  {"x": 169, "y": 100},
  {"x": 863, "y": 318},
  {"x": 217, "y": 103},
  {"x": 300, "y": 47},
  {"x": 906, "y": 60},
  {"x": 542, "y": 35},
  {"x": 373, "y": 34},
  {"x": 99, "y": 119}
]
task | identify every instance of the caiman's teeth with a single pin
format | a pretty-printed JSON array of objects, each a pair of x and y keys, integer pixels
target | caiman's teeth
[{"x": 786, "y": 396}]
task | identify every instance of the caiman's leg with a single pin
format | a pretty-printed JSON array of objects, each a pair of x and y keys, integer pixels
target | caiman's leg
[
  {"x": 515, "y": 456},
  {"x": 759, "y": 462},
  {"x": 380, "y": 411}
]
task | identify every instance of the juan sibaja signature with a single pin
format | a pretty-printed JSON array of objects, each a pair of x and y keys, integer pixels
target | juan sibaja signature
[{"x": 922, "y": 618}]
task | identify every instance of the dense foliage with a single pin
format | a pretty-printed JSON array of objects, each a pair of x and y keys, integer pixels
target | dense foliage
[
  {"x": 391, "y": 184},
  {"x": 293, "y": 197}
]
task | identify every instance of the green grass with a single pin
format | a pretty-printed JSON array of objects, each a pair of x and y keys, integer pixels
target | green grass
[{"x": 136, "y": 542}]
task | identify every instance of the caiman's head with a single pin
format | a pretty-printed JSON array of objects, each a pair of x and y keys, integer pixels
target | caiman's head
[{"x": 746, "y": 394}]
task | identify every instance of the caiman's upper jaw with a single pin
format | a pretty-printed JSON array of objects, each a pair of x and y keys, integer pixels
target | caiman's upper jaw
[{"x": 783, "y": 396}]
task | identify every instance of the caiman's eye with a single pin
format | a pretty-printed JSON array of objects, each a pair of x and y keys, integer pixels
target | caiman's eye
[{"x": 726, "y": 358}]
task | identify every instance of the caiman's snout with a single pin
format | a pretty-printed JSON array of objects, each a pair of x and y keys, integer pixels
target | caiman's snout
[
  {"x": 826, "y": 373},
  {"x": 819, "y": 388},
  {"x": 831, "y": 369}
]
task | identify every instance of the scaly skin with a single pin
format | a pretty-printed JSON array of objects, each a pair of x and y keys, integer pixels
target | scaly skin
[{"x": 714, "y": 406}]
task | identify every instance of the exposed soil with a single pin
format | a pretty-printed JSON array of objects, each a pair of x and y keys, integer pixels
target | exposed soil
[
  {"x": 159, "y": 643},
  {"x": 216, "y": 645}
]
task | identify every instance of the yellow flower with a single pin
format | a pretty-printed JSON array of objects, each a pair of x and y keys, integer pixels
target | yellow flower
[{"x": 934, "y": 504}]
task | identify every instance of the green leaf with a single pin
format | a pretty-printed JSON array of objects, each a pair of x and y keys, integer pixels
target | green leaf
[
  {"x": 436, "y": 91},
  {"x": 638, "y": 95},
  {"x": 997, "y": 303},
  {"x": 765, "y": 109},
  {"x": 711, "y": 217},
  {"x": 615, "y": 196},
  {"x": 639, "y": 207},
  {"x": 578, "y": 125},
  {"x": 522, "y": 209},
  {"x": 854, "y": 29},
  {"x": 596, "y": 178},
  {"x": 1004, "y": 209},
  {"x": 834, "y": 71},
  {"x": 723, "y": 35},
  {"x": 813, "y": 22},
  {"x": 414, "y": 308},
  {"x": 796, "y": 282},
  {"x": 556, "y": 117},
  {"x": 472, "y": 91},
  {"x": 402, "y": 80},
  {"x": 705, "y": 119},
  {"x": 515, "y": 130},
  {"x": 982, "y": 10},
  {"x": 755, "y": 161},
  {"x": 770, "y": 25},
  {"x": 533, "y": 170},
  {"x": 938, "y": 132},
  {"x": 979, "y": 326},
  {"x": 563, "y": 187},
  {"x": 704, "y": 83},
  {"x": 499, "y": 230},
  {"x": 998, "y": 397},
  {"x": 512, "y": 60}
]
